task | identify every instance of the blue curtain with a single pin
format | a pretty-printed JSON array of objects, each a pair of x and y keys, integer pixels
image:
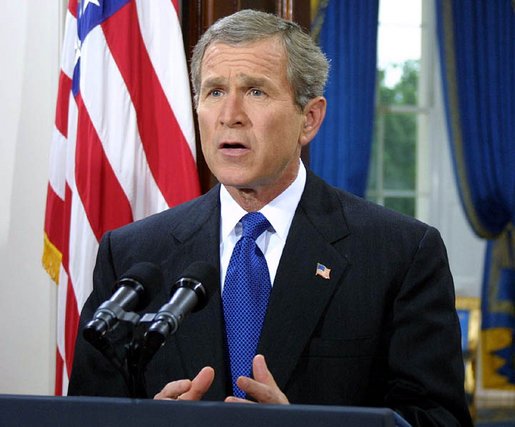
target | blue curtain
[
  {"x": 347, "y": 33},
  {"x": 477, "y": 50}
]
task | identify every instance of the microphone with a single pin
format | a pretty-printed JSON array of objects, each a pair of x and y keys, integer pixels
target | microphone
[
  {"x": 189, "y": 294},
  {"x": 133, "y": 291}
]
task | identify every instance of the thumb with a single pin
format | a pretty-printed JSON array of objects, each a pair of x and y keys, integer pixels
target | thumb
[
  {"x": 261, "y": 372},
  {"x": 199, "y": 385}
]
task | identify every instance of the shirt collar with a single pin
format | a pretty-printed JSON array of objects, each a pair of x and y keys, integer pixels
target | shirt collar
[{"x": 279, "y": 211}]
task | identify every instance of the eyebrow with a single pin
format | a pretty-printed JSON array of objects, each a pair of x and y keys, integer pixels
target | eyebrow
[
  {"x": 213, "y": 82},
  {"x": 253, "y": 81},
  {"x": 246, "y": 80}
]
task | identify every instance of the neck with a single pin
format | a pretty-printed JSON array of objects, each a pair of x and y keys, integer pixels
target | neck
[
  {"x": 253, "y": 199},
  {"x": 249, "y": 199}
]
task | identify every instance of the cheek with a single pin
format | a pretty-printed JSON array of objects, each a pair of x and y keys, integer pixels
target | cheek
[
  {"x": 205, "y": 119},
  {"x": 284, "y": 137},
  {"x": 205, "y": 134},
  {"x": 202, "y": 123},
  {"x": 278, "y": 126}
]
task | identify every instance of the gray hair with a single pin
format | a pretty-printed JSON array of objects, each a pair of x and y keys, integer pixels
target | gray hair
[{"x": 307, "y": 66}]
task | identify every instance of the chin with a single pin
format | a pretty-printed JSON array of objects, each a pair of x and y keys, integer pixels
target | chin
[
  {"x": 234, "y": 180},
  {"x": 237, "y": 185}
]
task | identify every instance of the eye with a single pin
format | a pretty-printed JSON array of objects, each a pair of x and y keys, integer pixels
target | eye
[
  {"x": 215, "y": 93},
  {"x": 256, "y": 92}
]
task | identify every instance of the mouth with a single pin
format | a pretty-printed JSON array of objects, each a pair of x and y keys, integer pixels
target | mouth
[
  {"x": 233, "y": 149},
  {"x": 232, "y": 146}
]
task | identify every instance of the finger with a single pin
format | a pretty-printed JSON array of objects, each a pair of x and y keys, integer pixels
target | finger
[
  {"x": 261, "y": 372},
  {"x": 234, "y": 399},
  {"x": 199, "y": 385},
  {"x": 263, "y": 387},
  {"x": 262, "y": 393},
  {"x": 173, "y": 389}
]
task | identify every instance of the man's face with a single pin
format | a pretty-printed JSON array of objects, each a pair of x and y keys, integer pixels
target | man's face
[{"x": 250, "y": 128}]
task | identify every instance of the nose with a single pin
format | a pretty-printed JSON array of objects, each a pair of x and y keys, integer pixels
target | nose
[{"x": 233, "y": 113}]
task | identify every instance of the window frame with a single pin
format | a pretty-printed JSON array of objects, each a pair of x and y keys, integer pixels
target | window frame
[{"x": 421, "y": 194}]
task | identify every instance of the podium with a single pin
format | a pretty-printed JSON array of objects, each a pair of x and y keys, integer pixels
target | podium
[{"x": 21, "y": 410}]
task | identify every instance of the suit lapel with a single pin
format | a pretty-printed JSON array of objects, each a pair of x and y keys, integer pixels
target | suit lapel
[
  {"x": 299, "y": 296},
  {"x": 200, "y": 339}
]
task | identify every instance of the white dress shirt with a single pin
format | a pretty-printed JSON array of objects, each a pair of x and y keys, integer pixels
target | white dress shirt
[{"x": 279, "y": 213}]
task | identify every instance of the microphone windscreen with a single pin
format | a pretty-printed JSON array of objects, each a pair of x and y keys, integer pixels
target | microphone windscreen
[
  {"x": 148, "y": 275},
  {"x": 204, "y": 273}
]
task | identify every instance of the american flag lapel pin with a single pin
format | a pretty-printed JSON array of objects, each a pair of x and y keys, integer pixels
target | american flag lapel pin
[{"x": 323, "y": 271}]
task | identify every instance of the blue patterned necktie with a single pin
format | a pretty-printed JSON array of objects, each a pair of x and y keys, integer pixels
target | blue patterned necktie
[{"x": 245, "y": 297}]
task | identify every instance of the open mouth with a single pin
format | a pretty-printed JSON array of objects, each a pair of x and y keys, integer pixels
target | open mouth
[{"x": 232, "y": 145}]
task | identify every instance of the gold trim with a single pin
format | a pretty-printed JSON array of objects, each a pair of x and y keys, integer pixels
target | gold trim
[
  {"x": 468, "y": 303},
  {"x": 497, "y": 338},
  {"x": 318, "y": 8},
  {"x": 51, "y": 259},
  {"x": 472, "y": 305},
  {"x": 455, "y": 122},
  {"x": 492, "y": 340},
  {"x": 502, "y": 257}
]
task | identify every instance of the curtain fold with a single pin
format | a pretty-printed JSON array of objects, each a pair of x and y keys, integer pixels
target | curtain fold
[
  {"x": 477, "y": 50},
  {"x": 347, "y": 33}
]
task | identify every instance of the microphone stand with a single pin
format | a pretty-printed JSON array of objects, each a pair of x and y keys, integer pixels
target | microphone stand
[
  {"x": 105, "y": 346},
  {"x": 128, "y": 364},
  {"x": 135, "y": 367},
  {"x": 140, "y": 352},
  {"x": 137, "y": 353}
]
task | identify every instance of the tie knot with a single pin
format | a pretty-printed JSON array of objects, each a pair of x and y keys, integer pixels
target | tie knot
[{"x": 254, "y": 224}]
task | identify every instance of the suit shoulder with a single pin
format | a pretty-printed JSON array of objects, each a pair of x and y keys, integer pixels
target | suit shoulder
[
  {"x": 167, "y": 221},
  {"x": 364, "y": 215}
]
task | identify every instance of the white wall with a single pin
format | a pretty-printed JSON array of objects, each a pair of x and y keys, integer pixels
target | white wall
[{"x": 29, "y": 44}]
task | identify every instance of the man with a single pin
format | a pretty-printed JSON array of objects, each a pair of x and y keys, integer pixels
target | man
[{"x": 361, "y": 310}]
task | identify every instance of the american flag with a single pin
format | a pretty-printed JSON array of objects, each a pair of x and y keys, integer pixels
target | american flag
[
  {"x": 323, "y": 271},
  {"x": 123, "y": 144}
]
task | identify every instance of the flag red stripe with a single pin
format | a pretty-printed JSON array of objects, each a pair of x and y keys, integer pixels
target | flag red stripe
[
  {"x": 54, "y": 219},
  {"x": 104, "y": 200},
  {"x": 63, "y": 102},
  {"x": 59, "y": 364},
  {"x": 72, "y": 7},
  {"x": 66, "y": 227},
  {"x": 167, "y": 151},
  {"x": 72, "y": 323}
]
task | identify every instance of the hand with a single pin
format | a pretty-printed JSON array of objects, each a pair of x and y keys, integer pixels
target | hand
[
  {"x": 262, "y": 388},
  {"x": 188, "y": 389}
]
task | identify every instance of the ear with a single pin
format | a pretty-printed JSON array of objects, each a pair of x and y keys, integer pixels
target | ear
[{"x": 314, "y": 113}]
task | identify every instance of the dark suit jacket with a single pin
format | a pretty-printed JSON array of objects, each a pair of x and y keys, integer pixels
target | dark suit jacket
[{"x": 382, "y": 331}]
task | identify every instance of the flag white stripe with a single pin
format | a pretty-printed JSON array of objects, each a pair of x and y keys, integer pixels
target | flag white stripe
[
  {"x": 57, "y": 179},
  {"x": 65, "y": 380},
  {"x": 82, "y": 241},
  {"x": 68, "y": 56},
  {"x": 62, "y": 290},
  {"x": 83, "y": 249},
  {"x": 117, "y": 126},
  {"x": 70, "y": 149},
  {"x": 161, "y": 32},
  {"x": 112, "y": 114}
]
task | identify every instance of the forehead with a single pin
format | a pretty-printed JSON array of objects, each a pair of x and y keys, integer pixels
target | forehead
[{"x": 266, "y": 56}]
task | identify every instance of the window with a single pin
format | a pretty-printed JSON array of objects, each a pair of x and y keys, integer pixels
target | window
[{"x": 398, "y": 173}]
